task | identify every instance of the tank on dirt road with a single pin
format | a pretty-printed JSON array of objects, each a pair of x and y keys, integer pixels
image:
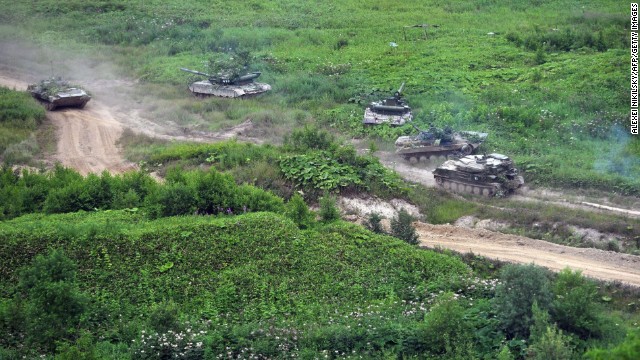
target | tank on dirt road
[
  {"x": 436, "y": 145},
  {"x": 56, "y": 92},
  {"x": 488, "y": 175},
  {"x": 393, "y": 110},
  {"x": 227, "y": 86}
]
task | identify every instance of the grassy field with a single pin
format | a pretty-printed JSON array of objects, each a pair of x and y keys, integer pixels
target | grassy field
[{"x": 546, "y": 79}]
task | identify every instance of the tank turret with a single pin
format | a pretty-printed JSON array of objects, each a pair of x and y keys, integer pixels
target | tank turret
[
  {"x": 393, "y": 110},
  {"x": 488, "y": 175},
  {"x": 227, "y": 86},
  {"x": 56, "y": 92}
]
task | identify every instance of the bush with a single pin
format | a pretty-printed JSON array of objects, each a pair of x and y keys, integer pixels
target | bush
[
  {"x": 447, "y": 330},
  {"x": 374, "y": 223},
  {"x": 164, "y": 317},
  {"x": 172, "y": 200},
  {"x": 54, "y": 304},
  {"x": 309, "y": 138},
  {"x": 328, "y": 210},
  {"x": 575, "y": 307},
  {"x": 297, "y": 210},
  {"x": 553, "y": 345},
  {"x": 402, "y": 227},
  {"x": 520, "y": 286}
]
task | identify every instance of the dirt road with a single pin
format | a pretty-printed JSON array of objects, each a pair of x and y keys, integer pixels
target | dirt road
[
  {"x": 594, "y": 263},
  {"x": 86, "y": 138}
]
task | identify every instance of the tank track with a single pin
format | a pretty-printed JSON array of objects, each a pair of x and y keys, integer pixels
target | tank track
[{"x": 487, "y": 190}]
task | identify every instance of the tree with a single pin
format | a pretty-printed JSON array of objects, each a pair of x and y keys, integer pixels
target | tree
[{"x": 402, "y": 227}]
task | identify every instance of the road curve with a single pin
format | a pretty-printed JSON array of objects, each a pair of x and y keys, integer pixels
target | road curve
[{"x": 594, "y": 263}]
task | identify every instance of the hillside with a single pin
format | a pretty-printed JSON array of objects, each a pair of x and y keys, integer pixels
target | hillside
[{"x": 208, "y": 249}]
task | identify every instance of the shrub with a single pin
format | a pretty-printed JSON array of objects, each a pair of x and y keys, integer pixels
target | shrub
[
  {"x": 309, "y": 138},
  {"x": 575, "y": 307},
  {"x": 164, "y": 317},
  {"x": 54, "y": 304},
  {"x": 171, "y": 200},
  {"x": 328, "y": 209},
  {"x": 519, "y": 288},
  {"x": 402, "y": 227},
  {"x": 82, "y": 349},
  {"x": 553, "y": 345},
  {"x": 374, "y": 223},
  {"x": 297, "y": 210},
  {"x": 447, "y": 330}
]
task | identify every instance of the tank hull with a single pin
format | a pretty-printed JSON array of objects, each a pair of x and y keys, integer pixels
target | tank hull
[
  {"x": 413, "y": 150},
  {"x": 72, "y": 97},
  {"x": 492, "y": 175},
  {"x": 395, "y": 117},
  {"x": 206, "y": 88}
]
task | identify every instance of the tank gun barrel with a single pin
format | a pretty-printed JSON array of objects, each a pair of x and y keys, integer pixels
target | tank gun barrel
[
  {"x": 400, "y": 89},
  {"x": 195, "y": 72},
  {"x": 248, "y": 77}
]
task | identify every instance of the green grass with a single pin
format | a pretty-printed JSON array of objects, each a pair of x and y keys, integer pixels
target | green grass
[
  {"x": 568, "y": 103},
  {"x": 20, "y": 116}
]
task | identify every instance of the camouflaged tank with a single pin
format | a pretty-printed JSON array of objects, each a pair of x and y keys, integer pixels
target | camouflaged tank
[
  {"x": 487, "y": 175},
  {"x": 393, "y": 110},
  {"x": 227, "y": 86},
  {"x": 55, "y": 93},
  {"x": 436, "y": 145}
]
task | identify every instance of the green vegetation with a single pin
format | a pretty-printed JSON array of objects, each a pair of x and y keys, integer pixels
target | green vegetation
[
  {"x": 224, "y": 259},
  {"x": 20, "y": 116},
  {"x": 546, "y": 80}
]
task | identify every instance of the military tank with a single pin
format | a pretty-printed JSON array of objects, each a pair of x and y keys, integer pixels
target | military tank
[
  {"x": 227, "y": 86},
  {"x": 56, "y": 92},
  {"x": 393, "y": 110},
  {"x": 488, "y": 175},
  {"x": 437, "y": 145}
]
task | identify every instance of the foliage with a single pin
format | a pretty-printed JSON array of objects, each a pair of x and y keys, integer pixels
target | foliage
[
  {"x": 53, "y": 302},
  {"x": 628, "y": 350},
  {"x": 20, "y": 116},
  {"x": 229, "y": 65},
  {"x": 328, "y": 209},
  {"x": 318, "y": 170},
  {"x": 310, "y": 138},
  {"x": 17, "y": 109},
  {"x": 170, "y": 345},
  {"x": 298, "y": 211},
  {"x": 553, "y": 345},
  {"x": 575, "y": 307},
  {"x": 374, "y": 223},
  {"x": 520, "y": 286},
  {"x": 82, "y": 349},
  {"x": 402, "y": 227},
  {"x": 185, "y": 192}
]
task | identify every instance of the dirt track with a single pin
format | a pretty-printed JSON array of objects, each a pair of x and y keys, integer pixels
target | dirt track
[
  {"x": 598, "y": 264},
  {"x": 86, "y": 138}
]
